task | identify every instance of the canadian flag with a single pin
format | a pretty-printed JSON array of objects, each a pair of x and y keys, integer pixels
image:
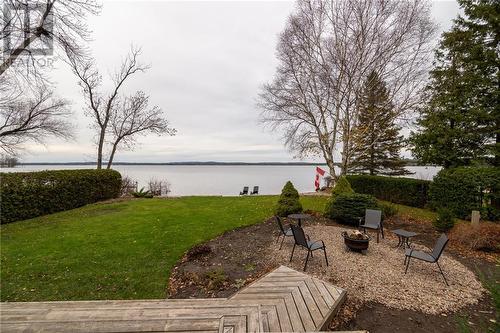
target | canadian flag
[{"x": 319, "y": 172}]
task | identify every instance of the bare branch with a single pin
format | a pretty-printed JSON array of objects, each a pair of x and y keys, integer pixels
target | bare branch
[
  {"x": 124, "y": 118},
  {"x": 29, "y": 22},
  {"x": 33, "y": 119},
  {"x": 326, "y": 52},
  {"x": 136, "y": 118}
]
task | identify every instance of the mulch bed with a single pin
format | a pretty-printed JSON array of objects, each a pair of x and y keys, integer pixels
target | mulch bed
[{"x": 223, "y": 265}]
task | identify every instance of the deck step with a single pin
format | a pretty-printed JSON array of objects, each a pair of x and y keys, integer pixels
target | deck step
[{"x": 282, "y": 301}]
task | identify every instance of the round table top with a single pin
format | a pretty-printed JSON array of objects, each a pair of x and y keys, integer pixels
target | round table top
[
  {"x": 299, "y": 216},
  {"x": 404, "y": 233}
]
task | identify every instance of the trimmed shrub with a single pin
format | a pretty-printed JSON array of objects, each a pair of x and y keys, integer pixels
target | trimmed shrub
[
  {"x": 341, "y": 187},
  {"x": 483, "y": 236},
  {"x": 388, "y": 209},
  {"x": 348, "y": 208},
  {"x": 445, "y": 220},
  {"x": 26, "y": 195},
  {"x": 405, "y": 191},
  {"x": 288, "y": 202},
  {"x": 465, "y": 189}
]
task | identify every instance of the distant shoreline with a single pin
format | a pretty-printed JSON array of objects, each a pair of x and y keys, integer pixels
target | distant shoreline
[
  {"x": 183, "y": 163},
  {"x": 197, "y": 163}
]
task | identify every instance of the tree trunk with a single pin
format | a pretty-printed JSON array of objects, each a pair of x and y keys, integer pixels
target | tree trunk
[
  {"x": 100, "y": 148},
  {"x": 112, "y": 156},
  {"x": 496, "y": 161},
  {"x": 331, "y": 167}
]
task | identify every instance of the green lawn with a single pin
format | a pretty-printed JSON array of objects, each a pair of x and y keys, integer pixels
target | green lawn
[
  {"x": 414, "y": 212},
  {"x": 122, "y": 250}
]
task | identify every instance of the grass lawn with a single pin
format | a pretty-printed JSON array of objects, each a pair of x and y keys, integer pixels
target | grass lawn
[
  {"x": 414, "y": 212},
  {"x": 121, "y": 250}
]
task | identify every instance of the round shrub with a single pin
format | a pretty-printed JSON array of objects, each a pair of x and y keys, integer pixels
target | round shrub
[
  {"x": 288, "y": 202},
  {"x": 348, "y": 208},
  {"x": 464, "y": 189},
  {"x": 445, "y": 220},
  {"x": 341, "y": 187}
]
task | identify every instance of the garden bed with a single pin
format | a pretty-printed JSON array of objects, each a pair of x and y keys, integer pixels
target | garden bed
[{"x": 242, "y": 255}]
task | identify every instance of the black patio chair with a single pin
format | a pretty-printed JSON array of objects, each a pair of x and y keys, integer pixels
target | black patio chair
[
  {"x": 285, "y": 232},
  {"x": 255, "y": 190},
  {"x": 372, "y": 220},
  {"x": 245, "y": 191},
  {"x": 432, "y": 257},
  {"x": 302, "y": 240}
]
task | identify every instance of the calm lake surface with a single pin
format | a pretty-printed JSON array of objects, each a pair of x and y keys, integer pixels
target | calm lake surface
[{"x": 220, "y": 179}]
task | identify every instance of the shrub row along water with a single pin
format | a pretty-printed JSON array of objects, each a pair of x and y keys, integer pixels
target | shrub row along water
[
  {"x": 459, "y": 190},
  {"x": 405, "y": 191},
  {"x": 26, "y": 195}
]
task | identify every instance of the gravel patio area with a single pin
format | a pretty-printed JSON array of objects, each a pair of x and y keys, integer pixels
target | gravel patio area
[{"x": 378, "y": 275}]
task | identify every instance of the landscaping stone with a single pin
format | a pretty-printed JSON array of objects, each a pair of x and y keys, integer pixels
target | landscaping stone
[{"x": 379, "y": 275}]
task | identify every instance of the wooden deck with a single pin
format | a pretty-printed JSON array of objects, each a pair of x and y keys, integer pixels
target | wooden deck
[{"x": 282, "y": 301}]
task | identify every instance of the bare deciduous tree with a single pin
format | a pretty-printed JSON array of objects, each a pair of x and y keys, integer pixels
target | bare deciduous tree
[
  {"x": 122, "y": 117},
  {"x": 29, "y": 111},
  {"x": 326, "y": 52},
  {"x": 32, "y": 119},
  {"x": 300, "y": 100},
  {"x": 29, "y": 22},
  {"x": 134, "y": 118}
]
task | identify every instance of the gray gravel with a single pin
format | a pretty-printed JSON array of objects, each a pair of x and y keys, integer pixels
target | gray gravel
[{"x": 379, "y": 275}]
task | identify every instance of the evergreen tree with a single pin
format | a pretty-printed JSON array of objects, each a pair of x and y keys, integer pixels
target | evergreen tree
[
  {"x": 376, "y": 139},
  {"x": 289, "y": 201},
  {"x": 460, "y": 124}
]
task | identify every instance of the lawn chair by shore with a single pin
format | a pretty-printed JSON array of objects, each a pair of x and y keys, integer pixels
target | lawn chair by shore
[
  {"x": 255, "y": 190},
  {"x": 245, "y": 191}
]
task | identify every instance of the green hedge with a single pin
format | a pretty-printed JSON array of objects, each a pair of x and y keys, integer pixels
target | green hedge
[
  {"x": 29, "y": 194},
  {"x": 405, "y": 191},
  {"x": 348, "y": 208},
  {"x": 465, "y": 189}
]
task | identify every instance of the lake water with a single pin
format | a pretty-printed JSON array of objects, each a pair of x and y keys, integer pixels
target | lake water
[{"x": 220, "y": 179}]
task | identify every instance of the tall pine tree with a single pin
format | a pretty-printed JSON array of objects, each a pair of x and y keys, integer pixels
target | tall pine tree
[
  {"x": 461, "y": 122},
  {"x": 376, "y": 139}
]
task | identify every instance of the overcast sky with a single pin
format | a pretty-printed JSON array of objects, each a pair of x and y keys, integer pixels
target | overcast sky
[{"x": 208, "y": 61}]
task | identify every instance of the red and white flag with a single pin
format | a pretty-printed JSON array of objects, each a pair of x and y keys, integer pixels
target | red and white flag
[{"x": 319, "y": 172}]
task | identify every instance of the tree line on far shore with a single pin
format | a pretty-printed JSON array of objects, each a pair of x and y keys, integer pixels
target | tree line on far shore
[{"x": 351, "y": 75}]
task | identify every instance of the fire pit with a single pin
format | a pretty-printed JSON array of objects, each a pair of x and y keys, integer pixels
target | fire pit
[{"x": 355, "y": 240}]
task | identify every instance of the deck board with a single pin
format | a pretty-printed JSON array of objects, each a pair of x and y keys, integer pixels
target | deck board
[{"x": 283, "y": 300}]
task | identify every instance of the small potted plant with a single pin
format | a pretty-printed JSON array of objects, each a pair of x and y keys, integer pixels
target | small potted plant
[{"x": 356, "y": 240}]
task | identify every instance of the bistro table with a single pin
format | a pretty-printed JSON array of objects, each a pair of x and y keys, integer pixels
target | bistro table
[
  {"x": 299, "y": 217},
  {"x": 404, "y": 237}
]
